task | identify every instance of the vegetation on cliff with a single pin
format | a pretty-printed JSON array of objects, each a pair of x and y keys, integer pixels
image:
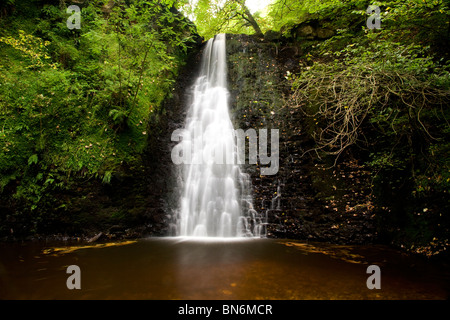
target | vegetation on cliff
[
  {"x": 369, "y": 107},
  {"x": 363, "y": 111},
  {"x": 380, "y": 97},
  {"x": 75, "y": 104}
]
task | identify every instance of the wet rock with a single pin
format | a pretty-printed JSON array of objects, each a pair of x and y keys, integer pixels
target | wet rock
[
  {"x": 313, "y": 203},
  {"x": 271, "y": 35},
  {"x": 306, "y": 31},
  {"x": 324, "y": 33}
]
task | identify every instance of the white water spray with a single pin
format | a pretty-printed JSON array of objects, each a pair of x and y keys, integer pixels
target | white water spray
[{"x": 216, "y": 199}]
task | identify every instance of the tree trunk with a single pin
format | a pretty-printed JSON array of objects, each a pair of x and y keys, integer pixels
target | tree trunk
[{"x": 249, "y": 17}]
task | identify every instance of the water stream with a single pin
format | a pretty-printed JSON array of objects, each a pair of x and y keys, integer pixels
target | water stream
[
  {"x": 216, "y": 194},
  {"x": 227, "y": 262}
]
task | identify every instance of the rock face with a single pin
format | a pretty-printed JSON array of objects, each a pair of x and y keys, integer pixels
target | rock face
[
  {"x": 306, "y": 31},
  {"x": 303, "y": 200},
  {"x": 271, "y": 35},
  {"x": 309, "y": 32},
  {"x": 312, "y": 29}
]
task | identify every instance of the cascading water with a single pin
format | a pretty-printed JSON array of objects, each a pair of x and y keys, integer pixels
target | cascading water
[{"x": 216, "y": 195}]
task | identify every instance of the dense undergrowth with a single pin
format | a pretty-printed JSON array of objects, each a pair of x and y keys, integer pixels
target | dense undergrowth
[
  {"x": 75, "y": 104},
  {"x": 381, "y": 97}
]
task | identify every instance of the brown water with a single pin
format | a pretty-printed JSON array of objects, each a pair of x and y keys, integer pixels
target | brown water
[{"x": 171, "y": 268}]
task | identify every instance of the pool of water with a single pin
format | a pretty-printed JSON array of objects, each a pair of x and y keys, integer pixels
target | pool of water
[{"x": 182, "y": 268}]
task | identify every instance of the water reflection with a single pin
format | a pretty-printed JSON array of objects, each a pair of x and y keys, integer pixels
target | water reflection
[{"x": 185, "y": 268}]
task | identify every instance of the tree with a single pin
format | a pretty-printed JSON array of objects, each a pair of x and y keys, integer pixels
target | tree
[
  {"x": 247, "y": 16},
  {"x": 214, "y": 16}
]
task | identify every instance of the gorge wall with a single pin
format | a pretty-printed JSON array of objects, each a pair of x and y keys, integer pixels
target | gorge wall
[{"x": 304, "y": 200}]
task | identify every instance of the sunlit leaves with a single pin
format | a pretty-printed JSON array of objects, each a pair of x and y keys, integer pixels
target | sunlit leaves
[
  {"x": 228, "y": 16},
  {"x": 32, "y": 47}
]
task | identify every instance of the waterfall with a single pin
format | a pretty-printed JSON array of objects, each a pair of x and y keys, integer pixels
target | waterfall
[{"x": 216, "y": 194}]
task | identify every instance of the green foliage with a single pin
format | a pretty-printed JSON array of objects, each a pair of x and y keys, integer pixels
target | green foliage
[
  {"x": 382, "y": 96},
  {"x": 397, "y": 91},
  {"x": 76, "y": 103},
  {"x": 229, "y": 16},
  {"x": 32, "y": 47},
  {"x": 283, "y": 15}
]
